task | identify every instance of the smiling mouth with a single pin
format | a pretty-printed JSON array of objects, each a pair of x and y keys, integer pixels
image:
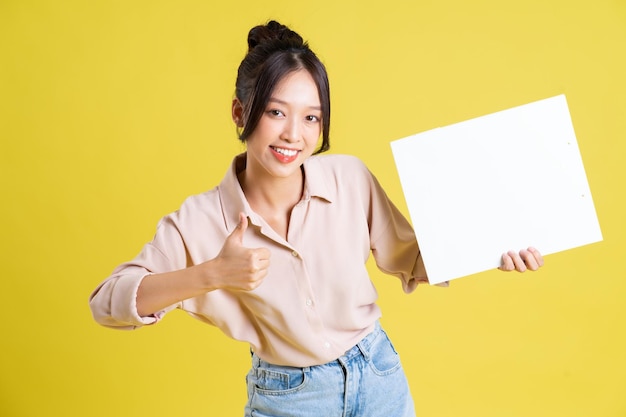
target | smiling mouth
[
  {"x": 285, "y": 152},
  {"x": 283, "y": 155}
]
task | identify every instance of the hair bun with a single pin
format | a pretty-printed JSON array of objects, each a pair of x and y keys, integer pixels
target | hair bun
[{"x": 273, "y": 31}]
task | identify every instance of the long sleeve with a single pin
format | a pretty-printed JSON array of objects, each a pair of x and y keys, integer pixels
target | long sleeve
[
  {"x": 393, "y": 242},
  {"x": 113, "y": 302}
]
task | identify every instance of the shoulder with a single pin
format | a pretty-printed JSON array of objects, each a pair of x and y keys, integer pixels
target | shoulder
[
  {"x": 336, "y": 175},
  {"x": 194, "y": 208},
  {"x": 338, "y": 164},
  {"x": 202, "y": 199}
]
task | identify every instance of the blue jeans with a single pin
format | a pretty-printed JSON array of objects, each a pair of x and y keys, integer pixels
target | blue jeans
[{"x": 367, "y": 381}]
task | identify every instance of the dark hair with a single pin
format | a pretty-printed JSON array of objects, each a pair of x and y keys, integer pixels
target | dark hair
[{"x": 274, "y": 51}]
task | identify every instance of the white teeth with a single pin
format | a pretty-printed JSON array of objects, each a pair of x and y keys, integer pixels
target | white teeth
[{"x": 286, "y": 152}]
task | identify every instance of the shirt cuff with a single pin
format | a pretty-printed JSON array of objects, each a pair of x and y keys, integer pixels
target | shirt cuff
[{"x": 124, "y": 302}]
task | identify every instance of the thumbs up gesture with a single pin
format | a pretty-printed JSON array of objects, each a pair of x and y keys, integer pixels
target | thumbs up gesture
[{"x": 238, "y": 267}]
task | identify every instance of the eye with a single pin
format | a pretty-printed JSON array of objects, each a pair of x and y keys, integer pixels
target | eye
[
  {"x": 312, "y": 118},
  {"x": 275, "y": 113}
]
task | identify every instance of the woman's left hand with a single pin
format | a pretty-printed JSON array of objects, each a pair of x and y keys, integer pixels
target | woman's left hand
[{"x": 526, "y": 259}]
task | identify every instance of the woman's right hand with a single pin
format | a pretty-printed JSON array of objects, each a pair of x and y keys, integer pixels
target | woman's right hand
[{"x": 237, "y": 267}]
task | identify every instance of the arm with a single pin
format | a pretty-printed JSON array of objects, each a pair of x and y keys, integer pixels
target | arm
[
  {"x": 133, "y": 296},
  {"x": 396, "y": 238},
  {"x": 236, "y": 268},
  {"x": 392, "y": 239}
]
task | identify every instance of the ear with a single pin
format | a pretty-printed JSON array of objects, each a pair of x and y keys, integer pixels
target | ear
[{"x": 237, "y": 112}]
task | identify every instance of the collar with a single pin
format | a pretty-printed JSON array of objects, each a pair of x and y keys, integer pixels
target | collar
[{"x": 233, "y": 200}]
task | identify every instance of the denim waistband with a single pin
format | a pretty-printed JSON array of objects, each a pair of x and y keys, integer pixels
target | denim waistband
[{"x": 362, "y": 347}]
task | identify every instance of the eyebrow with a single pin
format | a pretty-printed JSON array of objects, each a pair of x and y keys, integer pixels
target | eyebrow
[{"x": 275, "y": 100}]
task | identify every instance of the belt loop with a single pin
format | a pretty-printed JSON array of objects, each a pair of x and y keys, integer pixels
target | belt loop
[{"x": 365, "y": 344}]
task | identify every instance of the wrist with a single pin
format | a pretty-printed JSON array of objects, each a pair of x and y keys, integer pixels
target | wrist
[{"x": 207, "y": 277}]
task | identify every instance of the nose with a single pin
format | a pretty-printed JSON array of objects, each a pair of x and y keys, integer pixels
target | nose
[{"x": 291, "y": 130}]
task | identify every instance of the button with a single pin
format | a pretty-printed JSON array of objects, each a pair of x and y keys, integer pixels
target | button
[
  {"x": 294, "y": 253},
  {"x": 309, "y": 302}
]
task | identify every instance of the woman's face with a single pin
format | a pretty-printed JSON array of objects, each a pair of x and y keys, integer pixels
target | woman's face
[{"x": 288, "y": 130}]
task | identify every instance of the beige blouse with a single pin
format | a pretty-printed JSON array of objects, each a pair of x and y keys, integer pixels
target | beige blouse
[{"x": 317, "y": 300}]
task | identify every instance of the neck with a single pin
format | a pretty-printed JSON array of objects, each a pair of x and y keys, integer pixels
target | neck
[{"x": 263, "y": 192}]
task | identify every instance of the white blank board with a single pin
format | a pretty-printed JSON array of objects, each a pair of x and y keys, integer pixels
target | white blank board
[{"x": 500, "y": 182}]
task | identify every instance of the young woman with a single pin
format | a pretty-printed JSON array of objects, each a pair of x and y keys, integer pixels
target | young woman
[{"x": 275, "y": 255}]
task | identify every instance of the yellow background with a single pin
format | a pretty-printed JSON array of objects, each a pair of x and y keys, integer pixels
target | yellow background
[{"x": 112, "y": 112}]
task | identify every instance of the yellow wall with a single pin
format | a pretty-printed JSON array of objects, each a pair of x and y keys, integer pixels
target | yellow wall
[{"x": 111, "y": 112}]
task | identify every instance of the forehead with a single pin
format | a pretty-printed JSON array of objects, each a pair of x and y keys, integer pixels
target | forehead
[{"x": 297, "y": 86}]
